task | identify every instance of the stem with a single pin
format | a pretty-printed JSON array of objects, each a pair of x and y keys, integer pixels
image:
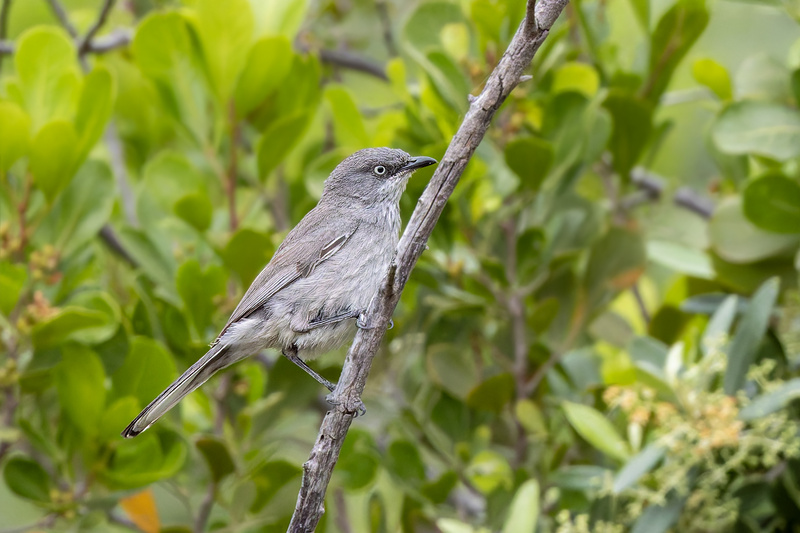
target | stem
[
  {"x": 86, "y": 43},
  {"x": 318, "y": 469},
  {"x": 230, "y": 182}
]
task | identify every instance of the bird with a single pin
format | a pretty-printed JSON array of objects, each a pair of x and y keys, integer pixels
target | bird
[{"x": 314, "y": 292}]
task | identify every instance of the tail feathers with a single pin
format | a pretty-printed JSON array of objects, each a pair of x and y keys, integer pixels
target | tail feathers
[{"x": 196, "y": 375}]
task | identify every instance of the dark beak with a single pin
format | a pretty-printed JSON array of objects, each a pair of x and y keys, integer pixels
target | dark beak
[{"x": 418, "y": 162}]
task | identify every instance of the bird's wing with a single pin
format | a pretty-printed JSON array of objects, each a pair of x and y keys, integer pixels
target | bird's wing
[{"x": 309, "y": 244}]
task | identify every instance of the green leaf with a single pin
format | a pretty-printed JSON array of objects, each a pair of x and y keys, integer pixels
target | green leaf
[
  {"x": 268, "y": 63},
  {"x": 616, "y": 261},
  {"x": 453, "y": 368},
  {"x": 94, "y": 110},
  {"x": 750, "y": 331},
  {"x": 737, "y": 240},
  {"x": 523, "y": 513},
  {"x": 639, "y": 465},
  {"x": 153, "y": 260},
  {"x": 15, "y": 134},
  {"x": 278, "y": 140},
  {"x": 675, "y": 33},
  {"x": 347, "y": 122},
  {"x": 196, "y": 210},
  {"x": 596, "y": 429},
  {"x": 161, "y": 43},
  {"x": 62, "y": 326},
  {"x": 80, "y": 211},
  {"x": 145, "y": 459},
  {"x": 54, "y": 151},
  {"x": 80, "y": 381},
  {"x": 632, "y": 127},
  {"x": 117, "y": 416},
  {"x": 217, "y": 456},
  {"x": 437, "y": 491},
  {"x": 492, "y": 394},
  {"x": 577, "y": 77},
  {"x": 772, "y": 202},
  {"x": 103, "y": 303},
  {"x": 489, "y": 470},
  {"x": 404, "y": 461},
  {"x": 720, "y": 323},
  {"x": 12, "y": 280},
  {"x": 642, "y": 10},
  {"x": 772, "y": 401},
  {"x": 680, "y": 258},
  {"x": 225, "y": 30},
  {"x": 26, "y": 478},
  {"x": 45, "y": 62},
  {"x": 198, "y": 288},
  {"x": 279, "y": 17},
  {"x": 530, "y": 158},
  {"x": 269, "y": 479},
  {"x": 714, "y": 76},
  {"x": 148, "y": 369},
  {"x": 247, "y": 253},
  {"x": 659, "y": 518},
  {"x": 758, "y": 128},
  {"x": 169, "y": 177}
]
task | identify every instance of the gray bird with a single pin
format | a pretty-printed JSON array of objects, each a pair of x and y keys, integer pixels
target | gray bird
[{"x": 316, "y": 287}]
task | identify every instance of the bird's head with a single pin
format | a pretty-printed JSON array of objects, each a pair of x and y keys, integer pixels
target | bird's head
[{"x": 374, "y": 175}]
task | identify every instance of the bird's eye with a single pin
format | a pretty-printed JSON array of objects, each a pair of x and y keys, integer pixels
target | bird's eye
[{"x": 380, "y": 170}]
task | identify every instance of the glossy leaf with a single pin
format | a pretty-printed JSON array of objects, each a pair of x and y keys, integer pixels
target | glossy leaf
[
  {"x": 772, "y": 401},
  {"x": 737, "y": 240},
  {"x": 94, "y": 110},
  {"x": 15, "y": 134},
  {"x": 148, "y": 369},
  {"x": 247, "y": 253},
  {"x": 758, "y": 128},
  {"x": 751, "y": 329},
  {"x": 198, "y": 288},
  {"x": 772, "y": 202},
  {"x": 524, "y": 511},
  {"x": 54, "y": 151},
  {"x": 530, "y": 158},
  {"x": 278, "y": 140},
  {"x": 268, "y": 63},
  {"x": 714, "y": 76},
  {"x": 348, "y": 124},
  {"x": 80, "y": 381},
  {"x": 217, "y": 457},
  {"x": 26, "y": 478},
  {"x": 632, "y": 126},
  {"x": 12, "y": 281},
  {"x": 639, "y": 465},
  {"x": 597, "y": 430}
]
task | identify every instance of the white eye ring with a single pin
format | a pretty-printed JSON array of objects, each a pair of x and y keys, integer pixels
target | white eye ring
[{"x": 380, "y": 170}]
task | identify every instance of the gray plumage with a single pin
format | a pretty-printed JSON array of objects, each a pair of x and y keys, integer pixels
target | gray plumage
[{"x": 321, "y": 278}]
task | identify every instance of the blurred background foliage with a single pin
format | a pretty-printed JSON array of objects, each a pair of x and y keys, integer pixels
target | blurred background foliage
[{"x": 603, "y": 336}]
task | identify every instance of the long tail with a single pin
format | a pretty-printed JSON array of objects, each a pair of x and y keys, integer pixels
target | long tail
[{"x": 197, "y": 374}]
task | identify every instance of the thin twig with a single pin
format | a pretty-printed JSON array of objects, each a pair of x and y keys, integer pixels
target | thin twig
[
  {"x": 343, "y": 58},
  {"x": 85, "y": 45},
  {"x": 231, "y": 173},
  {"x": 116, "y": 39},
  {"x": 63, "y": 18},
  {"x": 386, "y": 25},
  {"x": 117, "y": 156},
  {"x": 205, "y": 508},
  {"x": 111, "y": 240},
  {"x": 318, "y": 469},
  {"x": 5, "y": 7}
]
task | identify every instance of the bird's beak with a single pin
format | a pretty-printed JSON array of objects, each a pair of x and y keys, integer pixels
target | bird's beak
[{"x": 418, "y": 162}]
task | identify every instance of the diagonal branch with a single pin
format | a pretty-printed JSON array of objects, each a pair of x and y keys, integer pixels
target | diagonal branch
[
  {"x": 319, "y": 467},
  {"x": 86, "y": 43},
  {"x": 63, "y": 18}
]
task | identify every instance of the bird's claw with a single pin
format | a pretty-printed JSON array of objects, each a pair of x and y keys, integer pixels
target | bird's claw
[
  {"x": 361, "y": 322},
  {"x": 356, "y": 409}
]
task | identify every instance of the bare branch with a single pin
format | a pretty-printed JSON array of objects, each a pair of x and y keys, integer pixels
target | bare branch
[
  {"x": 343, "y": 58},
  {"x": 116, "y": 39},
  {"x": 61, "y": 15},
  {"x": 318, "y": 469},
  {"x": 5, "y": 7},
  {"x": 112, "y": 241},
  {"x": 86, "y": 43}
]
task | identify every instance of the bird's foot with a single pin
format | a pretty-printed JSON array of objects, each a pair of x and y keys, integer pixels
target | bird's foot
[
  {"x": 356, "y": 408},
  {"x": 361, "y": 322}
]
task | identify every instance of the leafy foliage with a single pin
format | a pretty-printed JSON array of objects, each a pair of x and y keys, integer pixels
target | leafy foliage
[{"x": 602, "y": 336}]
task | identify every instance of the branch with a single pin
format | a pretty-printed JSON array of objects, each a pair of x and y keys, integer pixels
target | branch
[
  {"x": 86, "y": 44},
  {"x": 114, "y": 244},
  {"x": 116, "y": 39},
  {"x": 319, "y": 467},
  {"x": 5, "y": 7},
  {"x": 61, "y": 15},
  {"x": 343, "y": 58}
]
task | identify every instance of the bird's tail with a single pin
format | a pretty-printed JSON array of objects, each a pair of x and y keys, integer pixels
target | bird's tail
[{"x": 197, "y": 374}]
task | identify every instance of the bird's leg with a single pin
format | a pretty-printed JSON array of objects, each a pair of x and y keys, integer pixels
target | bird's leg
[
  {"x": 291, "y": 354},
  {"x": 361, "y": 323},
  {"x": 324, "y": 321}
]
